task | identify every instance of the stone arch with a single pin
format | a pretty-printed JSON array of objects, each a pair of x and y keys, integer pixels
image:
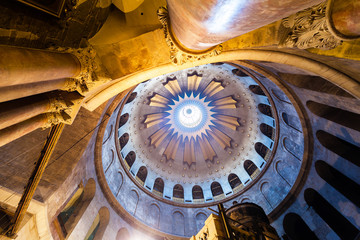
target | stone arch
[
  {"x": 98, "y": 227},
  {"x": 336, "y": 221},
  {"x": 75, "y": 207},
  {"x": 200, "y": 220},
  {"x": 154, "y": 214},
  {"x": 178, "y": 223},
  {"x": 123, "y": 234}
]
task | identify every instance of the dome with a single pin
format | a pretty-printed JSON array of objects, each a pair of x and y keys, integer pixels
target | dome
[{"x": 200, "y": 136}]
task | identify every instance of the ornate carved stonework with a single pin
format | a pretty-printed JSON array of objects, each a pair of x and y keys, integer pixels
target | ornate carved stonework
[
  {"x": 63, "y": 107},
  {"x": 308, "y": 29},
  {"x": 179, "y": 54},
  {"x": 91, "y": 74}
]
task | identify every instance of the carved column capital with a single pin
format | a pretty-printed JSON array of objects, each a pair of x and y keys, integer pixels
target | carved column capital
[
  {"x": 179, "y": 54},
  {"x": 309, "y": 29},
  {"x": 91, "y": 75}
]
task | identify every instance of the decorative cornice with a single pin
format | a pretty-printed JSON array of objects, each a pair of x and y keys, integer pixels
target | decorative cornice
[
  {"x": 309, "y": 29},
  {"x": 179, "y": 54}
]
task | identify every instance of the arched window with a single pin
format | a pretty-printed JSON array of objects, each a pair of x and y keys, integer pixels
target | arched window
[
  {"x": 256, "y": 89},
  {"x": 216, "y": 189},
  {"x": 267, "y": 130},
  {"x": 265, "y": 109},
  {"x": 234, "y": 181},
  {"x": 178, "y": 193},
  {"x": 292, "y": 121},
  {"x": 239, "y": 73},
  {"x": 123, "y": 234},
  {"x": 296, "y": 229},
  {"x": 197, "y": 192},
  {"x": 124, "y": 140},
  {"x": 158, "y": 187},
  {"x": 123, "y": 119},
  {"x": 341, "y": 226},
  {"x": 251, "y": 168},
  {"x": 262, "y": 150},
  {"x": 75, "y": 207},
  {"x": 339, "y": 146},
  {"x": 141, "y": 175},
  {"x": 130, "y": 158},
  {"x": 132, "y": 97},
  {"x": 337, "y": 115},
  {"x": 99, "y": 225},
  {"x": 343, "y": 184},
  {"x": 314, "y": 83}
]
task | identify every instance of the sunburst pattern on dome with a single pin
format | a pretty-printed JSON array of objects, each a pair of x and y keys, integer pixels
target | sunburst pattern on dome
[{"x": 189, "y": 119}]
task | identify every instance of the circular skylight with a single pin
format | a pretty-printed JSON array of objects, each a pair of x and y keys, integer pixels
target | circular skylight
[{"x": 190, "y": 116}]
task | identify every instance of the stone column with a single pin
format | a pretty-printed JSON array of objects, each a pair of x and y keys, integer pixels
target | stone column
[
  {"x": 344, "y": 18},
  {"x": 202, "y": 24},
  {"x": 16, "y": 131},
  {"x": 22, "y": 65}
]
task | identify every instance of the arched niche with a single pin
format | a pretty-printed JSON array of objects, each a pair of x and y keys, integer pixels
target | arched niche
[
  {"x": 74, "y": 209},
  {"x": 154, "y": 215},
  {"x": 337, "y": 115},
  {"x": 200, "y": 221},
  {"x": 132, "y": 97},
  {"x": 123, "y": 119},
  {"x": 124, "y": 140},
  {"x": 98, "y": 227},
  {"x": 336, "y": 221},
  {"x": 130, "y": 159},
  {"x": 123, "y": 234},
  {"x": 339, "y": 146},
  {"x": 235, "y": 182},
  {"x": 256, "y": 89},
  {"x": 216, "y": 189},
  {"x": 178, "y": 223},
  {"x": 265, "y": 109},
  {"x": 293, "y": 148},
  {"x": 197, "y": 193},
  {"x": 158, "y": 188},
  {"x": 267, "y": 130},
  {"x": 262, "y": 150},
  {"x": 251, "y": 168},
  {"x": 296, "y": 229},
  {"x": 178, "y": 193},
  {"x": 291, "y": 121},
  {"x": 141, "y": 174},
  {"x": 280, "y": 96}
]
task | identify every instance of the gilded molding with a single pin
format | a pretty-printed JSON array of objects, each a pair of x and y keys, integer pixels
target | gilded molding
[
  {"x": 179, "y": 54},
  {"x": 309, "y": 29}
]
